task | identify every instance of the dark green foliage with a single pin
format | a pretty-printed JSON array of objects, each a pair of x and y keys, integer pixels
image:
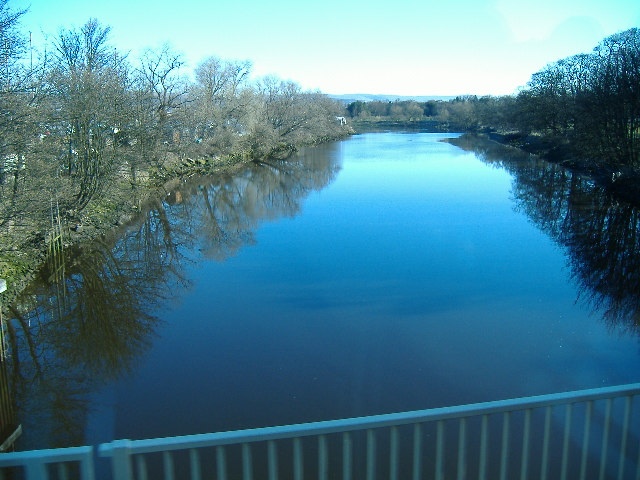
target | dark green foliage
[{"x": 588, "y": 104}]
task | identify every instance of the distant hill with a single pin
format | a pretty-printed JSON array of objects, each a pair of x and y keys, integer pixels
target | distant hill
[{"x": 367, "y": 97}]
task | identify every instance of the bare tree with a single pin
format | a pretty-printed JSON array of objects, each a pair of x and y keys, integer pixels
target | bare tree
[
  {"x": 221, "y": 79},
  {"x": 616, "y": 89},
  {"x": 220, "y": 104},
  {"x": 13, "y": 81},
  {"x": 21, "y": 175},
  {"x": 88, "y": 92},
  {"x": 12, "y": 47},
  {"x": 593, "y": 100},
  {"x": 160, "y": 76}
]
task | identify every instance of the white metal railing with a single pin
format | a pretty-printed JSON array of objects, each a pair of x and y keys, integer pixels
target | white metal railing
[
  {"x": 584, "y": 434},
  {"x": 73, "y": 462}
]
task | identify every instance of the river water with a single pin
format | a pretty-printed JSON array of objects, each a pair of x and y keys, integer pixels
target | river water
[{"x": 387, "y": 272}]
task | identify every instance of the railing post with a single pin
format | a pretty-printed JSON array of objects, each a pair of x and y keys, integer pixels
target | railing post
[
  {"x": 585, "y": 440},
  {"x": 323, "y": 458},
  {"x": 440, "y": 450},
  {"x": 121, "y": 460},
  {"x": 297, "y": 459},
  {"x": 347, "y": 452},
  {"x": 194, "y": 460},
  {"x": 221, "y": 463},
  {"x": 87, "y": 466},
  {"x": 504, "y": 455},
  {"x": 247, "y": 462},
  {"x": 524, "y": 463},
  {"x": 272, "y": 460},
  {"x": 565, "y": 442},
  {"x": 545, "y": 444},
  {"x": 605, "y": 438},
  {"x": 462, "y": 449},
  {"x": 393, "y": 454},
  {"x": 417, "y": 451},
  {"x": 625, "y": 433},
  {"x": 371, "y": 455},
  {"x": 36, "y": 470}
]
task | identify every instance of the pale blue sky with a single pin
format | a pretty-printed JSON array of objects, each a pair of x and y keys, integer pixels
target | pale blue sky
[{"x": 401, "y": 47}]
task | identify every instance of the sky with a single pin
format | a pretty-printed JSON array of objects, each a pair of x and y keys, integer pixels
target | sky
[{"x": 391, "y": 47}]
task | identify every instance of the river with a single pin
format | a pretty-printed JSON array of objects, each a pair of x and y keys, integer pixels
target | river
[{"x": 387, "y": 272}]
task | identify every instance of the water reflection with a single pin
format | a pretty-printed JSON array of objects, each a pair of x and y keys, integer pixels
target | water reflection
[
  {"x": 71, "y": 333},
  {"x": 224, "y": 211},
  {"x": 70, "y": 337},
  {"x": 8, "y": 423},
  {"x": 601, "y": 233}
]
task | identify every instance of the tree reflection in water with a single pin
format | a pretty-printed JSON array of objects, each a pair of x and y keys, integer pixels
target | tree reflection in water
[
  {"x": 71, "y": 335},
  {"x": 600, "y": 233}
]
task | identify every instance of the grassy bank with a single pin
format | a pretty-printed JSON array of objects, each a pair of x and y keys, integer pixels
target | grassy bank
[{"x": 26, "y": 247}]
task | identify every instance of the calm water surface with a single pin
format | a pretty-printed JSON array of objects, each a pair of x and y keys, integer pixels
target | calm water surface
[{"x": 387, "y": 272}]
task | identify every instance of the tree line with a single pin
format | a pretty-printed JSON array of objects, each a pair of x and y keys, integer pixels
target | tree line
[
  {"x": 84, "y": 129},
  {"x": 65, "y": 349},
  {"x": 399, "y": 110},
  {"x": 587, "y": 105}
]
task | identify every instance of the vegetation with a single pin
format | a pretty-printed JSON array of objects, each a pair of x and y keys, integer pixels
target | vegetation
[
  {"x": 584, "y": 110},
  {"x": 377, "y": 114},
  {"x": 86, "y": 134}
]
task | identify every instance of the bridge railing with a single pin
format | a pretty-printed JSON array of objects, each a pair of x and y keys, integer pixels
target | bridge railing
[
  {"x": 588, "y": 434},
  {"x": 62, "y": 463}
]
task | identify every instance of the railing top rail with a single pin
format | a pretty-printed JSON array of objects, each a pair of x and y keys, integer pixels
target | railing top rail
[
  {"x": 54, "y": 455},
  {"x": 362, "y": 423}
]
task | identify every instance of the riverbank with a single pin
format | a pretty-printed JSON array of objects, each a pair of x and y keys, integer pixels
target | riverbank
[
  {"x": 106, "y": 217},
  {"x": 26, "y": 245},
  {"x": 26, "y": 250},
  {"x": 115, "y": 212},
  {"x": 622, "y": 182}
]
